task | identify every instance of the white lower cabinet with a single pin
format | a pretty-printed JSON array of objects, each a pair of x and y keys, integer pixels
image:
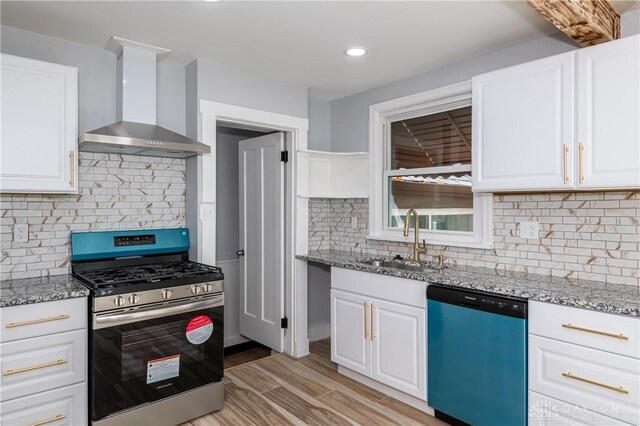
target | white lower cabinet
[
  {"x": 376, "y": 337},
  {"x": 43, "y": 364},
  {"x": 580, "y": 370},
  {"x": 63, "y": 406}
]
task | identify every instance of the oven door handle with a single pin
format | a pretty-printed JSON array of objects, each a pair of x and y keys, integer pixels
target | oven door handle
[{"x": 104, "y": 321}]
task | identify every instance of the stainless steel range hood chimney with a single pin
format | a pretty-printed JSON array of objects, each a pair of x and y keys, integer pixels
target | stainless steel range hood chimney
[{"x": 136, "y": 131}]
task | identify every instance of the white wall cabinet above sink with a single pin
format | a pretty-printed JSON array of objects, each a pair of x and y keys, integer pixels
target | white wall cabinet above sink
[
  {"x": 566, "y": 122},
  {"x": 333, "y": 174},
  {"x": 39, "y": 150}
]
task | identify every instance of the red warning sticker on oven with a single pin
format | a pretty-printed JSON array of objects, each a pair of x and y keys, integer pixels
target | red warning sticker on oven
[{"x": 199, "y": 329}]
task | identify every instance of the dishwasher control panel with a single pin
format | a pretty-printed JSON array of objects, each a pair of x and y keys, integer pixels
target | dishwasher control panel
[{"x": 503, "y": 305}]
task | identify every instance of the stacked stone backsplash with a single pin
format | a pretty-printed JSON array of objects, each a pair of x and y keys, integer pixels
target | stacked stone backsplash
[
  {"x": 115, "y": 192},
  {"x": 593, "y": 235}
]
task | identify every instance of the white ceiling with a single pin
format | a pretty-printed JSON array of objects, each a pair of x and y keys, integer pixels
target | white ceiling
[{"x": 301, "y": 42}]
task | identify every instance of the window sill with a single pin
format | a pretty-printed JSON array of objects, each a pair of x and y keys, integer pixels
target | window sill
[{"x": 434, "y": 240}]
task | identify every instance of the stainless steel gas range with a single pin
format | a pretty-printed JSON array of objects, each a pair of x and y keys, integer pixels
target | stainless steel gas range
[{"x": 156, "y": 341}]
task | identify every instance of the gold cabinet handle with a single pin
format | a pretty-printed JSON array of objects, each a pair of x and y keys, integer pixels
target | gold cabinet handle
[
  {"x": 565, "y": 148},
  {"x": 580, "y": 163},
  {"x": 589, "y": 330},
  {"x": 72, "y": 169},
  {"x": 51, "y": 420},
  {"x": 34, "y": 367},
  {"x": 620, "y": 389},
  {"x": 36, "y": 321},
  {"x": 373, "y": 333},
  {"x": 366, "y": 325}
]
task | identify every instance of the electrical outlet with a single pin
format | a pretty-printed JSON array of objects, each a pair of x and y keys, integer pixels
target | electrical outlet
[
  {"x": 530, "y": 230},
  {"x": 354, "y": 222},
  {"x": 21, "y": 233}
]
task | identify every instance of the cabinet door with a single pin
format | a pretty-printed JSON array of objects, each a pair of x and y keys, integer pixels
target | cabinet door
[
  {"x": 523, "y": 121},
  {"x": 399, "y": 341},
  {"x": 350, "y": 322},
  {"x": 39, "y": 126},
  {"x": 608, "y": 114}
]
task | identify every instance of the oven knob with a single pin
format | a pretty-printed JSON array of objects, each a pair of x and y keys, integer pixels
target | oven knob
[
  {"x": 195, "y": 289},
  {"x": 207, "y": 287},
  {"x": 118, "y": 301},
  {"x": 166, "y": 293},
  {"x": 134, "y": 298}
]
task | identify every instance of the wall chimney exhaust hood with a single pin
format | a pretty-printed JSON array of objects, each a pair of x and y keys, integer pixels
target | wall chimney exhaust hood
[{"x": 136, "y": 132}]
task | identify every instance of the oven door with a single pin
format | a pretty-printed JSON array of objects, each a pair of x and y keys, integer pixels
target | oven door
[{"x": 154, "y": 352}]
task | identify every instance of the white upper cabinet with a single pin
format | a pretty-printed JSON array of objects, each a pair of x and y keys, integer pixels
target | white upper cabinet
[
  {"x": 38, "y": 151},
  {"x": 523, "y": 126},
  {"x": 532, "y": 131},
  {"x": 608, "y": 102}
]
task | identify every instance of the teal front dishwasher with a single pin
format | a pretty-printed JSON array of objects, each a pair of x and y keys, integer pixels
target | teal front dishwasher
[{"x": 477, "y": 357}]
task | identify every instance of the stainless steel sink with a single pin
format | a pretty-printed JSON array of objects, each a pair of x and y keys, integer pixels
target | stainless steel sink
[{"x": 401, "y": 264}]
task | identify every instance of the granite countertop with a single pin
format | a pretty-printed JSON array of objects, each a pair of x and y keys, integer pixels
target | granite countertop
[
  {"x": 43, "y": 289},
  {"x": 612, "y": 298}
]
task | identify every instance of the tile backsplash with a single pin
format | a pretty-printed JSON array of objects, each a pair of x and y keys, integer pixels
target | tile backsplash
[
  {"x": 593, "y": 235},
  {"x": 115, "y": 192}
]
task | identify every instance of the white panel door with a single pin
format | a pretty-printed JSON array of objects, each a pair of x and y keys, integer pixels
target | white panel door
[
  {"x": 399, "y": 340},
  {"x": 262, "y": 239},
  {"x": 38, "y": 151},
  {"x": 609, "y": 114},
  {"x": 350, "y": 331},
  {"x": 523, "y": 126}
]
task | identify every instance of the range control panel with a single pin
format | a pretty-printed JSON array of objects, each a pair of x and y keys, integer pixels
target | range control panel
[{"x": 134, "y": 240}]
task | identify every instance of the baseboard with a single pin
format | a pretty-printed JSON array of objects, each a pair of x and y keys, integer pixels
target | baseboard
[
  {"x": 319, "y": 332},
  {"x": 400, "y": 396},
  {"x": 234, "y": 340}
]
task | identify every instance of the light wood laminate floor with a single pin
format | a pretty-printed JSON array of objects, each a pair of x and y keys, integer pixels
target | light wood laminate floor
[{"x": 279, "y": 390}]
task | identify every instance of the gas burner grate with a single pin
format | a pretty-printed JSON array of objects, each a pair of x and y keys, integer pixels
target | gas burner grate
[{"x": 131, "y": 275}]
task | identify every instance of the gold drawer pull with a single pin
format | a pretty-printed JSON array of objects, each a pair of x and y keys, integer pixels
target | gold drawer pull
[
  {"x": 373, "y": 333},
  {"x": 565, "y": 148},
  {"x": 51, "y": 420},
  {"x": 35, "y": 367},
  {"x": 580, "y": 163},
  {"x": 72, "y": 169},
  {"x": 366, "y": 330},
  {"x": 620, "y": 389},
  {"x": 602, "y": 333},
  {"x": 37, "y": 321}
]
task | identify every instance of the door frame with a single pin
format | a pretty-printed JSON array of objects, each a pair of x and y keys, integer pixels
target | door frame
[{"x": 212, "y": 114}]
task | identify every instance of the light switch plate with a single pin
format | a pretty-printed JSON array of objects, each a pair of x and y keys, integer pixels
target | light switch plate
[
  {"x": 207, "y": 211},
  {"x": 530, "y": 230},
  {"x": 21, "y": 233}
]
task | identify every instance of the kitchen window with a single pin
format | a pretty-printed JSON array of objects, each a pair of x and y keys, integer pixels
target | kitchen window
[{"x": 421, "y": 151}]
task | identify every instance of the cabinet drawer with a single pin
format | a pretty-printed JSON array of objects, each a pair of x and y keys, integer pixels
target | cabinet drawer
[
  {"x": 393, "y": 289},
  {"x": 43, "y": 319},
  {"x": 42, "y": 363},
  {"x": 545, "y": 411},
  {"x": 608, "y": 383},
  {"x": 598, "y": 330},
  {"x": 64, "y": 406}
]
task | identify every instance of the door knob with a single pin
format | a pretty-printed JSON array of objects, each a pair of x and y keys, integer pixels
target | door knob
[{"x": 240, "y": 252}]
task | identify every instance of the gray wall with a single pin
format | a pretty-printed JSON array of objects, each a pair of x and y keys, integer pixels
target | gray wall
[
  {"x": 97, "y": 78},
  {"x": 227, "y": 191},
  {"x": 221, "y": 83},
  {"x": 319, "y": 124}
]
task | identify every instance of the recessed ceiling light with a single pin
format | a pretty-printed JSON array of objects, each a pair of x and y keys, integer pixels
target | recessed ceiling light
[{"x": 356, "y": 51}]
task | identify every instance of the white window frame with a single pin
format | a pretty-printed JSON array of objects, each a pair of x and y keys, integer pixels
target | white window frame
[{"x": 381, "y": 115}]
